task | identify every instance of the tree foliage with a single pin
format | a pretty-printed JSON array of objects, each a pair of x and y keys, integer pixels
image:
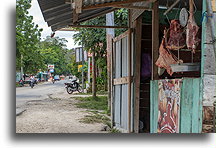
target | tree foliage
[
  {"x": 31, "y": 53},
  {"x": 27, "y": 39},
  {"x": 94, "y": 39},
  {"x": 54, "y": 51}
]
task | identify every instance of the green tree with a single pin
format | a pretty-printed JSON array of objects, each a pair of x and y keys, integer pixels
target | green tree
[
  {"x": 53, "y": 51},
  {"x": 94, "y": 40},
  {"x": 27, "y": 39}
]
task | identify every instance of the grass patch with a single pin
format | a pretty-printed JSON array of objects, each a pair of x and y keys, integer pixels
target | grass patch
[
  {"x": 98, "y": 109},
  {"x": 95, "y": 118},
  {"x": 97, "y": 103},
  {"x": 113, "y": 130},
  {"x": 98, "y": 93}
]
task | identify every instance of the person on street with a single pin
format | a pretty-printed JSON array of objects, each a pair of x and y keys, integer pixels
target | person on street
[{"x": 32, "y": 81}]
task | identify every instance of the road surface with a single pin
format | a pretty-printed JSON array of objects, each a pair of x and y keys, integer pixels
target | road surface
[
  {"x": 39, "y": 92},
  {"x": 48, "y": 108}
]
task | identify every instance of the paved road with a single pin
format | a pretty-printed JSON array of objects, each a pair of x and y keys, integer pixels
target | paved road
[{"x": 39, "y": 92}]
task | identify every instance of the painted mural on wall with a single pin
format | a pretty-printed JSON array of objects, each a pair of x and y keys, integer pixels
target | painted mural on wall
[{"x": 169, "y": 105}]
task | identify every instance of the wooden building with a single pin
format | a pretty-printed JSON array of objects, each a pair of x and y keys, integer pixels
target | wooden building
[{"x": 144, "y": 97}]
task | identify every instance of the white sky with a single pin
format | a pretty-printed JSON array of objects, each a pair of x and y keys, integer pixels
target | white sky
[{"x": 38, "y": 19}]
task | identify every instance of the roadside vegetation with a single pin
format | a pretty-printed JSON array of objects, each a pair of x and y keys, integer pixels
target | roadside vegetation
[
  {"x": 34, "y": 54},
  {"x": 98, "y": 111},
  {"x": 95, "y": 103}
]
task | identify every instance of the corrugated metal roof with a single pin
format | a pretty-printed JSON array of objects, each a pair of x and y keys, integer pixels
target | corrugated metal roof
[
  {"x": 95, "y": 2},
  {"x": 58, "y": 14}
]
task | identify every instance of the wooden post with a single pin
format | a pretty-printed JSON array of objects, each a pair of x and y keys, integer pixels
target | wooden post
[
  {"x": 111, "y": 77},
  {"x": 129, "y": 81},
  {"x": 155, "y": 39},
  {"x": 109, "y": 35},
  {"x": 138, "y": 34},
  {"x": 129, "y": 72}
]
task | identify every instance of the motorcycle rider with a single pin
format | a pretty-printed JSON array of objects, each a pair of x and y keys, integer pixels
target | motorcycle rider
[
  {"x": 32, "y": 81},
  {"x": 21, "y": 82},
  {"x": 53, "y": 80}
]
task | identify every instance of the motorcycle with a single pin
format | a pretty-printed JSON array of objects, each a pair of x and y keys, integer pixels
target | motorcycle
[
  {"x": 31, "y": 84},
  {"x": 53, "y": 80},
  {"x": 21, "y": 83},
  {"x": 73, "y": 86}
]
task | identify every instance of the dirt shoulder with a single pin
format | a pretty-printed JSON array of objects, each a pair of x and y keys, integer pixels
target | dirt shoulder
[{"x": 56, "y": 114}]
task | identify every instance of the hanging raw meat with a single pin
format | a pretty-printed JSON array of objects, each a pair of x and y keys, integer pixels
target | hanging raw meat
[
  {"x": 165, "y": 58},
  {"x": 176, "y": 36},
  {"x": 192, "y": 29}
]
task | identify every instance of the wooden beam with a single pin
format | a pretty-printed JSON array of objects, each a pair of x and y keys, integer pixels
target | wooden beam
[
  {"x": 155, "y": 39},
  {"x": 94, "y": 26},
  {"x": 111, "y": 4},
  {"x": 71, "y": 27},
  {"x": 66, "y": 29},
  {"x": 121, "y": 36},
  {"x": 78, "y": 6},
  {"x": 132, "y": 7},
  {"x": 120, "y": 81}
]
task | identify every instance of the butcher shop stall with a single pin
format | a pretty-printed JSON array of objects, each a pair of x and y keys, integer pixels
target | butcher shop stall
[
  {"x": 175, "y": 67},
  {"x": 171, "y": 50},
  {"x": 162, "y": 68}
]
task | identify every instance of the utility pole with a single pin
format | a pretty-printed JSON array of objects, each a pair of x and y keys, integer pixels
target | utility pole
[
  {"x": 110, "y": 33},
  {"x": 89, "y": 70},
  {"x": 94, "y": 89},
  {"x": 82, "y": 68},
  {"x": 21, "y": 70}
]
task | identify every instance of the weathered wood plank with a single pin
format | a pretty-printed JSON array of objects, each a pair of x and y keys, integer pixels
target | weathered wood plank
[
  {"x": 153, "y": 106},
  {"x": 137, "y": 67},
  {"x": 121, "y": 36},
  {"x": 129, "y": 47},
  {"x": 111, "y": 4},
  {"x": 213, "y": 5},
  {"x": 111, "y": 83},
  {"x": 186, "y": 106},
  {"x": 155, "y": 39},
  {"x": 120, "y": 81},
  {"x": 78, "y": 6},
  {"x": 196, "y": 106},
  {"x": 140, "y": 8},
  {"x": 190, "y": 106}
]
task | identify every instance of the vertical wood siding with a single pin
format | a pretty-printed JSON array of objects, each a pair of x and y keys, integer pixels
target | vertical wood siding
[
  {"x": 190, "y": 106},
  {"x": 153, "y": 106}
]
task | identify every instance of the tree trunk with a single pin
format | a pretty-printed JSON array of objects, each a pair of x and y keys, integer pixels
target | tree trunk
[{"x": 93, "y": 75}]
